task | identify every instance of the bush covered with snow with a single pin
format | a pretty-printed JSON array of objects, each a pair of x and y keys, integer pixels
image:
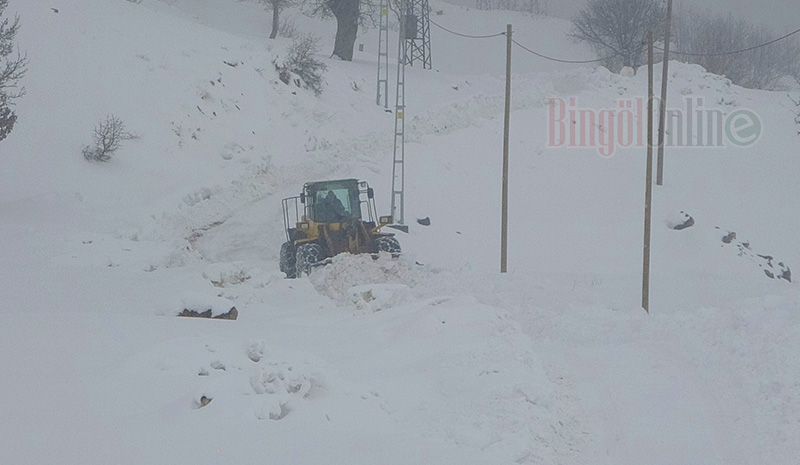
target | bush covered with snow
[{"x": 301, "y": 62}]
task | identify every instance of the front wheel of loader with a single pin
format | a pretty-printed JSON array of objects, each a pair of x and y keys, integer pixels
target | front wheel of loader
[
  {"x": 289, "y": 260},
  {"x": 388, "y": 244},
  {"x": 307, "y": 256}
]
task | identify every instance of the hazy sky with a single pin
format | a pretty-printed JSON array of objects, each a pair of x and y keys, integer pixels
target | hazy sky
[{"x": 782, "y": 15}]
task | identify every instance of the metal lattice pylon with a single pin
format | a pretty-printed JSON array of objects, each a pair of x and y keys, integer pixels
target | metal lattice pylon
[
  {"x": 417, "y": 30},
  {"x": 398, "y": 165},
  {"x": 383, "y": 56}
]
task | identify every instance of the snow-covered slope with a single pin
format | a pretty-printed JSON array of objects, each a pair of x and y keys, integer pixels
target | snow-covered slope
[{"x": 431, "y": 358}]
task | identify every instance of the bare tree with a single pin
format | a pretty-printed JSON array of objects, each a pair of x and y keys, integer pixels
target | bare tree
[
  {"x": 12, "y": 69},
  {"x": 765, "y": 67},
  {"x": 704, "y": 37},
  {"x": 108, "y": 137},
  {"x": 699, "y": 33},
  {"x": 792, "y": 62},
  {"x": 277, "y": 6},
  {"x": 618, "y": 27},
  {"x": 349, "y": 14}
]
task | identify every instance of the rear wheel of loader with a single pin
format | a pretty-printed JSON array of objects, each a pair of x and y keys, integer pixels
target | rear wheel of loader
[
  {"x": 289, "y": 260},
  {"x": 388, "y": 244},
  {"x": 307, "y": 256}
]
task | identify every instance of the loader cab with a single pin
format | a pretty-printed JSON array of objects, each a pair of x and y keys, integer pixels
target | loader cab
[
  {"x": 335, "y": 205},
  {"x": 332, "y": 201}
]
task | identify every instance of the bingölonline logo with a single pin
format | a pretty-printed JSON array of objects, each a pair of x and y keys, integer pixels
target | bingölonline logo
[{"x": 608, "y": 129}]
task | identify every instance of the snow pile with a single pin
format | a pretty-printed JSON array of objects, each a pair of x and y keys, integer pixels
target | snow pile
[{"x": 348, "y": 276}]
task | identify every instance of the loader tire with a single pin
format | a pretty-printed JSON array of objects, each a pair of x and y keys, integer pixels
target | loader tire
[
  {"x": 307, "y": 256},
  {"x": 388, "y": 244},
  {"x": 289, "y": 260}
]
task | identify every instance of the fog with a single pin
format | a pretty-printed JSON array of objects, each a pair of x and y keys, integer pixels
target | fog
[{"x": 781, "y": 15}]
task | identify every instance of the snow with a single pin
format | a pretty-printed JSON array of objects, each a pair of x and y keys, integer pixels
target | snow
[{"x": 433, "y": 357}]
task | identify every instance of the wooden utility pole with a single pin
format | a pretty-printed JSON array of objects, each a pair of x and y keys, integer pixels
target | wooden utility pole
[
  {"x": 648, "y": 190},
  {"x": 504, "y": 238},
  {"x": 662, "y": 111}
]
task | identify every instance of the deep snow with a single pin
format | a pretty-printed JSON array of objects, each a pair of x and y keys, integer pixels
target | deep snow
[{"x": 431, "y": 358}]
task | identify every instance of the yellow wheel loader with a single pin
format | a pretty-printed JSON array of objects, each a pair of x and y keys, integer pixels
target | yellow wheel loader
[{"x": 329, "y": 218}]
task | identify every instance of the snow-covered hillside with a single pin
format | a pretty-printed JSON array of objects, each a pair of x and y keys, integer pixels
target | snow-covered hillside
[{"x": 434, "y": 357}]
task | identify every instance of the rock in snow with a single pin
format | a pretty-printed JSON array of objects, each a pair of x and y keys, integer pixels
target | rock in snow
[
  {"x": 680, "y": 221},
  {"x": 200, "y": 306}
]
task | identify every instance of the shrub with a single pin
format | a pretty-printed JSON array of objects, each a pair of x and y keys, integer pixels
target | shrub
[
  {"x": 300, "y": 61},
  {"x": 108, "y": 136}
]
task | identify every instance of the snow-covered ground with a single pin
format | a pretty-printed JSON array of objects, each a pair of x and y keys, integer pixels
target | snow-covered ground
[{"x": 431, "y": 358}]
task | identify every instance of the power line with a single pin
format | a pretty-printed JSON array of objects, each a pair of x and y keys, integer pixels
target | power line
[
  {"x": 559, "y": 60},
  {"x": 734, "y": 51},
  {"x": 468, "y": 36},
  {"x": 471, "y": 36}
]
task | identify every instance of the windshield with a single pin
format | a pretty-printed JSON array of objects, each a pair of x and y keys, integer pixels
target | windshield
[{"x": 335, "y": 201}]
